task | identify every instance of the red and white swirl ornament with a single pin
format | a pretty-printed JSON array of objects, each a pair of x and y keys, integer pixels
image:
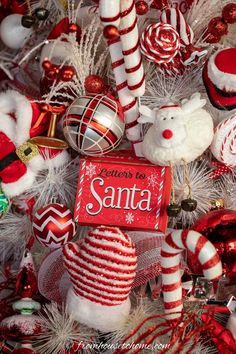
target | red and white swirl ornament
[
  {"x": 223, "y": 146},
  {"x": 190, "y": 54},
  {"x": 126, "y": 60},
  {"x": 160, "y": 43},
  {"x": 53, "y": 225},
  {"x": 174, "y": 244}
]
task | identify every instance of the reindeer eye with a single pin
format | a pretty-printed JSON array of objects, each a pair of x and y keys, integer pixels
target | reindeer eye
[
  {"x": 164, "y": 118},
  {"x": 172, "y": 118}
]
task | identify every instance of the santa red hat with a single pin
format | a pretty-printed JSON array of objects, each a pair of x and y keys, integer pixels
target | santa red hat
[
  {"x": 102, "y": 270},
  {"x": 20, "y": 160},
  {"x": 219, "y": 76}
]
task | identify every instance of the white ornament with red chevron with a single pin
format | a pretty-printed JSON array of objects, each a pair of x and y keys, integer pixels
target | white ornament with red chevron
[{"x": 53, "y": 225}]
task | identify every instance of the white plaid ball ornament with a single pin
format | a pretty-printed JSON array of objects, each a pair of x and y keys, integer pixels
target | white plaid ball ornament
[{"x": 94, "y": 124}]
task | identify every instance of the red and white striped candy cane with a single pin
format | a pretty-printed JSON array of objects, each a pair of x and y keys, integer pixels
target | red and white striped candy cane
[
  {"x": 126, "y": 60},
  {"x": 171, "y": 250},
  {"x": 175, "y": 18}
]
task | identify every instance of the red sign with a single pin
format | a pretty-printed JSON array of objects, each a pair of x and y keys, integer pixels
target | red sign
[{"x": 123, "y": 191}]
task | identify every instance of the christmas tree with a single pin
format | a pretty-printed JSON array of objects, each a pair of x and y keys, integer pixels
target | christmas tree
[{"x": 117, "y": 194}]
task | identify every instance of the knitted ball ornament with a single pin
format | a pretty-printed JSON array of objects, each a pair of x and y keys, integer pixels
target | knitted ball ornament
[
  {"x": 219, "y": 77},
  {"x": 102, "y": 270}
]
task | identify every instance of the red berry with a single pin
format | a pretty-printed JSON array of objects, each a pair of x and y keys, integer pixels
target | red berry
[
  {"x": 229, "y": 13},
  {"x": 217, "y": 27},
  {"x": 141, "y": 7},
  {"x": 111, "y": 32}
]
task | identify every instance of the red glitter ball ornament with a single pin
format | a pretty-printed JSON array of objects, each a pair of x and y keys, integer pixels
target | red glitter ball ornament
[
  {"x": 159, "y": 4},
  {"x": 229, "y": 13},
  {"x": 111, "y": 32},
  {"x": 217, "y": 27},
  {"x": 141, "y": 7},
  {"x": 219, "y": 227},
  {"x": 94, "y": 84},
  {"x": 212, "y": 38},
  {"x": 67, "y": 73}
]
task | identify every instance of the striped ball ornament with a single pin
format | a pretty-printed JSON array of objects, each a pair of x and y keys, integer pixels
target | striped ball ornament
[
  {"x": 53, "y": 225},
  {"x": 94, "y": 124}
]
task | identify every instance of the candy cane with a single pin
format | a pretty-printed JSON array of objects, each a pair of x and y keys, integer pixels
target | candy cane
[
  {"x": 175, "y": 18},
  {"x": 126, "y": 60},
  {"x": 171, "y": 250}
]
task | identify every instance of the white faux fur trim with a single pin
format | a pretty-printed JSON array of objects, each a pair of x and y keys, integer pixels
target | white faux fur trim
[
  {"x": 13, "y": 102},
  {"x": 7, "y": 125},
  {"x": 97, "y": 316},
  {"x": 37, "y": 163},
  {"x": 20, "y": 186},
  {"x": 58, "y": 160},
  {"x": 219, "y": 78}
]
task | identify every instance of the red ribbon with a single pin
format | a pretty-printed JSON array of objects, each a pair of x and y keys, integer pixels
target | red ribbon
[
  {"x": 220, "y": 170},
  {"x": 220, "y": 336},
  {"x": 64, "y": 26}
]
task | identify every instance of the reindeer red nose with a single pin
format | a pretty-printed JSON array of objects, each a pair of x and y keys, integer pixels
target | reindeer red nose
[{"x": 167, "y": 134}]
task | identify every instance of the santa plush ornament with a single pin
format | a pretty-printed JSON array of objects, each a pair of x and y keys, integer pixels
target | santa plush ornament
[{"x": 20, "y": 160}]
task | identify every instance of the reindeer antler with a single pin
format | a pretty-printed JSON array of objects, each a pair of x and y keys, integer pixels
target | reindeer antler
[
  {"x": 147, "y": 115},
  {"x": 193, "y": 104}
]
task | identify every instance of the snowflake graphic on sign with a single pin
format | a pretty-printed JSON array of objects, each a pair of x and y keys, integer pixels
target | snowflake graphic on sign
[
  {"x": 152, "y": 181},
  {"x": 129, "y": 218},
  {"x": 90, "y": 170}
]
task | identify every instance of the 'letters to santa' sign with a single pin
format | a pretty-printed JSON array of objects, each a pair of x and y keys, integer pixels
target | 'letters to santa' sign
[{"x": 123, "y": 191}]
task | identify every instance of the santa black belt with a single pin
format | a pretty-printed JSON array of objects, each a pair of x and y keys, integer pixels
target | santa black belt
[{"x": 24, "y": 152}]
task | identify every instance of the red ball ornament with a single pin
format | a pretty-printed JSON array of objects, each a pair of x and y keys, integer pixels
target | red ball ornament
[
  {"x": 67, "y": 73},
  {"x": 219, "y": 227},
  {"x": 94, "y": 84},
  {"x": 53, "y": 225},
  {"x": 229, "y": 13},
  {"x": 73, "y": 27},
  {"x": 160, "y": 4},
  {"x": 111, "y": 32},
  {"x": 217, "y": 27},
  {"x": 212, "y": 38},
  {"x": 141, "y": 7}
]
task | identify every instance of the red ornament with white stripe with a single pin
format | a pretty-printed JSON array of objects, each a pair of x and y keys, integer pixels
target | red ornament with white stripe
[
  {"x": 53, "y": 225},
  {"x": 94, "y": 125},
  {"x": 174, "y": 244},
  {"x": 160, "y": 43},
  {"x": 102, "y": 270}
]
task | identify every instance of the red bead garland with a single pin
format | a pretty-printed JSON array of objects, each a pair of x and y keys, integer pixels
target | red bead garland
[
  {"x": 141, "y": 7},
  {"x": 218, "y": 26}
]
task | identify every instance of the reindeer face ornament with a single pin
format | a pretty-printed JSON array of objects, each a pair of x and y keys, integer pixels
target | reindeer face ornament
[{"x": 179, "y": 134}]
